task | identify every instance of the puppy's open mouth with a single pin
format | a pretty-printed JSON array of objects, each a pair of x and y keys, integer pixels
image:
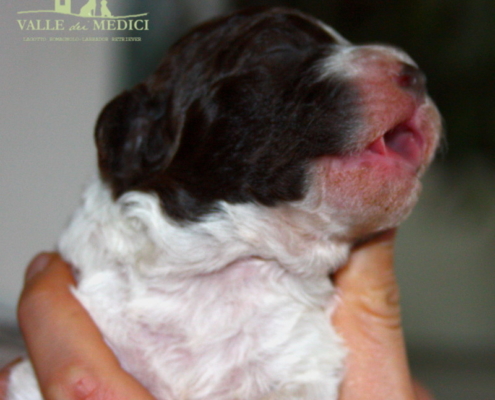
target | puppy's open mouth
[{"x": 403, "y": 143}]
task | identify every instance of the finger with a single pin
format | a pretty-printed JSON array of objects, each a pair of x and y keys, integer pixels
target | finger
[
  {"x": 67, "y": 350},
  {"x": 367, "y": 285},
  {"x": 4, "y": 377},
  {"x": 368, "y": 318},
  {"x": 421, "y": 392}
]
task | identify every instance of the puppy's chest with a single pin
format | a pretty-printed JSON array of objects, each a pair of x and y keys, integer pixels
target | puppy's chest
[{"x": 216, "y": 333}]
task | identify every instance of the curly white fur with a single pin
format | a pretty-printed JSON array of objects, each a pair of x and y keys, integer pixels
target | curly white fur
[{"x": 166, "y": 298}]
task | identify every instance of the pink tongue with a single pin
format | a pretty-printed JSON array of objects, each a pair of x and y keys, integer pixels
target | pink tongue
[
  {"x": 399, "y": 142},
  {"x": 404, "y": 143}
]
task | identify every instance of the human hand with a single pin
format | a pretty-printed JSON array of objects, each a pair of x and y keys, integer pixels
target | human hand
[
  {"x": 368, "y": 318},
  {"x": 68, "y": 353}
]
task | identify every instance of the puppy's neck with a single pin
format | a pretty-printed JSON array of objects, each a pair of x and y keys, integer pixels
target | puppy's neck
[{"x": 133, "y": 232}]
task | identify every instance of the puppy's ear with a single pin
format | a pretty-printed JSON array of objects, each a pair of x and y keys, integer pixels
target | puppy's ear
[{"x": 133, "y": 138}]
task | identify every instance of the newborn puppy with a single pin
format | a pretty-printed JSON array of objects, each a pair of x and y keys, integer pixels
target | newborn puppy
[{"x": 232, "y": 183}]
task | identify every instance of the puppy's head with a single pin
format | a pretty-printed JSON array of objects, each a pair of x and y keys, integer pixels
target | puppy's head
[{"x": 272, "y": 107}]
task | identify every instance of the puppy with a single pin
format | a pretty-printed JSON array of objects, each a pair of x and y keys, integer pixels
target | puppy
[{"x": 232, "y": 183}]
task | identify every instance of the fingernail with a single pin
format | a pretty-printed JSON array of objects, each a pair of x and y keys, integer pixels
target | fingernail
[
  {"x": 382, "y": 238},
  {"x": 37, "y": 265},
  {"x": 11, "y": 364},
  {"x": 388, "y": 235}
]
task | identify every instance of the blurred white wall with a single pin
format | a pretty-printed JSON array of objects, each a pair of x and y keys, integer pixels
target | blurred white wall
[{"x": 50, "y": 94}]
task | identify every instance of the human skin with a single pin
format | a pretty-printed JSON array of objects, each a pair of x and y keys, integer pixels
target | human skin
[{"x": 72, "y": 361}]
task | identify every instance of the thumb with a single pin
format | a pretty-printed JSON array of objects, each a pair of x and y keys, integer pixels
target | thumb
[
  {"x": 367, "y": 285},
  {"x": 368, "y": 318}
]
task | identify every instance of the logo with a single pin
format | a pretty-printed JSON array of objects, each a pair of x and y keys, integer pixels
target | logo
[{"x": 94, "y": 15}]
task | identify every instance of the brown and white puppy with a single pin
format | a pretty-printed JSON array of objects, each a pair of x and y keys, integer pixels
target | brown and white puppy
[{"x": 232, "y": 183}]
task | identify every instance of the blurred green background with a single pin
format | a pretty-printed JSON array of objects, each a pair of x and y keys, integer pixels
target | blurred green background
[
  {"x": 452, "y": 40},
  {"x": 446, "y": 250}
]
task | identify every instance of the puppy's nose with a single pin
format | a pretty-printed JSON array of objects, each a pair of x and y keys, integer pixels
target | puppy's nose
[{"x": 412, "y": 79}]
